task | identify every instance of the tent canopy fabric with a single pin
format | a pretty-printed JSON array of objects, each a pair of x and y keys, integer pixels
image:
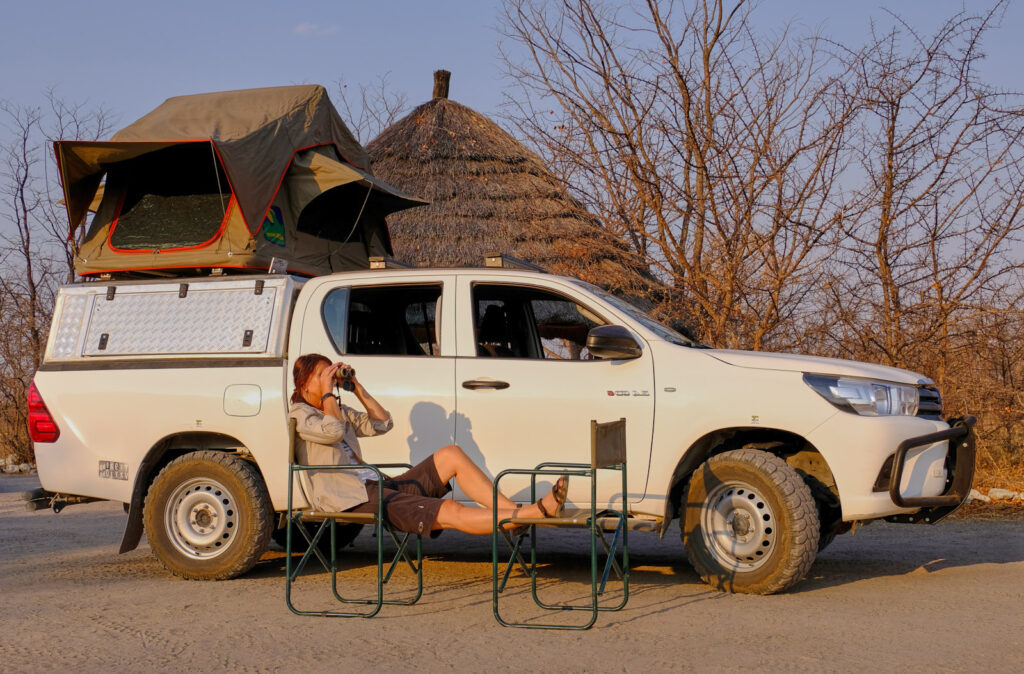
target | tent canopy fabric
[
  {"x": 265, "y": 155},
  {"x": 255, "y": 132}
]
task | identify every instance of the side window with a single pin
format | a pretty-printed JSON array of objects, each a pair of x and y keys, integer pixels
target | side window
[
  {"x": 519, "y": 322},
  {"x": 334, "y": 311},
  {"x": 384, "y": 320}
]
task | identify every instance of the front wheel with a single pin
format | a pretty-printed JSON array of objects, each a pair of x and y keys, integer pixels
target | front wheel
[
  {"x": 750, "y": 523},
  {"x": 208, "y": 516}
]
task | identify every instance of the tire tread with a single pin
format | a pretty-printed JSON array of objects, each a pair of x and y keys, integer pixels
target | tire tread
[
  {"x": 263, "y": 520},
  {"x": 804, "y": 530}
]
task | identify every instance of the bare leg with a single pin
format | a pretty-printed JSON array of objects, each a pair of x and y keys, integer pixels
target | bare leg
[
  {"x": 454, "y": 515},
  {"x": 452, "y": 462}
]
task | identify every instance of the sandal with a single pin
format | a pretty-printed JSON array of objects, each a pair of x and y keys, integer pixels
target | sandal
[
  {"x": 560, "y": 491},
  {"x": 519, "y": 529}
]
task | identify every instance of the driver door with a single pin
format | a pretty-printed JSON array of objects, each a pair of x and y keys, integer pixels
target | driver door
[{"x": 527, "y": 388}]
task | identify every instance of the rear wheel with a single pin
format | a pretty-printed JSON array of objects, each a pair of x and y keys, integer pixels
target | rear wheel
[
  {"x": 750, "y": 523},
  {"x": 208, "y": 516}
]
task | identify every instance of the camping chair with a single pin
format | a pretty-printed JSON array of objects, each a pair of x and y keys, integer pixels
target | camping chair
[
  {"x": 607, "y": 452},
  {"x": 328, "y": 521}
]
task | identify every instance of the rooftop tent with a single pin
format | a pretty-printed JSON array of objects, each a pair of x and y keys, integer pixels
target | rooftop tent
[{"x": 229, "y": 180}]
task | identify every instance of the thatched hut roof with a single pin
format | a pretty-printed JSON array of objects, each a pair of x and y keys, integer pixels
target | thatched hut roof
[{"x": 487, "y": 193}]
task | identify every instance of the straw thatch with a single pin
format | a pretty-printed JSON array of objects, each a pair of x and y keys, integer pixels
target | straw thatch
[{"x": 487, "y": 193}]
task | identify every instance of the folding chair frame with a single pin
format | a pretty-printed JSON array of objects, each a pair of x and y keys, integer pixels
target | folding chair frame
[
  {"x": 296, "y": 520},
  {"x": 595, "y": 524}
]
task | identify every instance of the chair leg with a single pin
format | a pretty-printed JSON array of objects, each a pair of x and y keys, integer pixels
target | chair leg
[
  {"x": 331, "y": 565},
  {"x": 621, "y": 570},
  {"x": 375, "y": 603},
  {"x": 516, "y": 556},
  {"x": 402, "y": 553},
  {"x": 499, "y": 584}
]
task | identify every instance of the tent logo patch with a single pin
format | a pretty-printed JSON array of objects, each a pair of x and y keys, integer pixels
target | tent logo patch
[{"x": 273, "y": 226}]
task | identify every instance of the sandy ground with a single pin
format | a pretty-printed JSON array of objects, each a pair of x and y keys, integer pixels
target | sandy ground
[{"x": 890, "y": 597}]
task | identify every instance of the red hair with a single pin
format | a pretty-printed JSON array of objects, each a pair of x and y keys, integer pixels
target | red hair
[{"x": 303, "y": 369}]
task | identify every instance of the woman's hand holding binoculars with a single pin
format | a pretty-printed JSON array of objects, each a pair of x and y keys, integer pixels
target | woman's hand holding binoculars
[
  {"x": 342, "y": 374},
  {"x": 345, "y": 375}
]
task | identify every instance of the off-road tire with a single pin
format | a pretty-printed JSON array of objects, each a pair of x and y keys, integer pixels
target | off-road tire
[
  {"x": 208, "y": 516},
  {"x": 750, "y": 523},
  {"x": 830, "y": 514}
]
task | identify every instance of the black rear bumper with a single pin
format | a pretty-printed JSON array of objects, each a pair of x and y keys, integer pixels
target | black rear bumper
[{"x": 960, "y": 460}]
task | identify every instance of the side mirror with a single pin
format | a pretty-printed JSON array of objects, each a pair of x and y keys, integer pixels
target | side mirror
[{"x": 612, "y": 341}]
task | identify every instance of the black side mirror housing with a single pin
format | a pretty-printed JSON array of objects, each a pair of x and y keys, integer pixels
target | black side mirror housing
[{"x": 612, "y": 341}]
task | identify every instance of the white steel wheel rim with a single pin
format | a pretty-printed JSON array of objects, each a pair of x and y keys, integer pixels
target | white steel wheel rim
[
  {"x": 201, "y": 518},
  {"x": 738, "y": 526}
]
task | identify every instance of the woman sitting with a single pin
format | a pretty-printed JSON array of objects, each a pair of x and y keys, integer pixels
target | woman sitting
[{"x": 413, "y": 501}]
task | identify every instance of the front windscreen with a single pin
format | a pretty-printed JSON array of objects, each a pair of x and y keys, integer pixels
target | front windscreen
[{"x": 639, "y": 315}]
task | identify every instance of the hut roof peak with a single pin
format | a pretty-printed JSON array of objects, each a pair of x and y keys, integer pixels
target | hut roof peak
[{"x": 442, "y": 78}]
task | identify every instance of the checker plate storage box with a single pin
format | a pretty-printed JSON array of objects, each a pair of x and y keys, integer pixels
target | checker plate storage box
[{"x": 234, "y": 316}]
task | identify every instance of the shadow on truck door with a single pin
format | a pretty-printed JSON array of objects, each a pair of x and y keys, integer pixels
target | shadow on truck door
[{"x": 432, "y": 429}]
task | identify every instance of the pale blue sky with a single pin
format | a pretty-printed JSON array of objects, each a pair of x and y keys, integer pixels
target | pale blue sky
[{"x": 129, "y": 55}]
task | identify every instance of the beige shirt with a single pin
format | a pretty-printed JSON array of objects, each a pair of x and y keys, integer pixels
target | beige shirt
[{"x": 321, "y": 441}]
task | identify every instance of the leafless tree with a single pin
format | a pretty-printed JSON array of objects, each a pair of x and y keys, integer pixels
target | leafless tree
[
  {"x": 36, "y": 254},
  {"x": 712, "y": 151},
  {"x": 861, "y": 201},
  {"x": 368, "y": 109},
  {"x": 931, "y": 275},
  {"x": 941, "y": 161}
]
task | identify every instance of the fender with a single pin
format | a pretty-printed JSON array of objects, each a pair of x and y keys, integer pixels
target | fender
[
  {"x": 162, "y": 453},
  {"x": 722, "y": 440}
]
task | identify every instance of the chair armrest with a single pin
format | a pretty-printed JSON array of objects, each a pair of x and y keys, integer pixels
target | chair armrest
[{"x": 562, "y": 464}]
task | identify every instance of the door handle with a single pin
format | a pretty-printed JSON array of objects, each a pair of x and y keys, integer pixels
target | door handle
[{"x": 474, "y": 384}]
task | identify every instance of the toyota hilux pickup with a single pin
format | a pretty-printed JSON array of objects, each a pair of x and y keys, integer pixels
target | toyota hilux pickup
[{"x": 171, "y": 397}]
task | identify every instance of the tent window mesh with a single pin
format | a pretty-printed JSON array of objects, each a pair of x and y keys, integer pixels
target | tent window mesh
[{"x": 171, "y": 198}]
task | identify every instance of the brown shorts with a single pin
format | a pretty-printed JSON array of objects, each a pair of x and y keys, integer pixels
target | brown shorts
[{"x": 411, "y": 500}]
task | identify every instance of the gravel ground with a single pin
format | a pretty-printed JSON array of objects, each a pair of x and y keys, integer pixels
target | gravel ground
[{"x": 892, "y": 597}]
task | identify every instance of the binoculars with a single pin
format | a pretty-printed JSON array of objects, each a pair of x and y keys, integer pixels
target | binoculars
[{"x": 344, "y": 378}]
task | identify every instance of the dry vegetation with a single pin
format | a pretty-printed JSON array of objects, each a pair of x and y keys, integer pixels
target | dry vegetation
[
  {"x": 35, "y": 253},
  {"x": 861, "y": 202}
]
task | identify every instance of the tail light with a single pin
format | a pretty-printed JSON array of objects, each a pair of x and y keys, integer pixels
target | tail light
[{"x": 41, "y": 426}]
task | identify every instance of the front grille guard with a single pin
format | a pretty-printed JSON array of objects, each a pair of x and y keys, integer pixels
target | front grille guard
[{"x": 960, "y": 464}]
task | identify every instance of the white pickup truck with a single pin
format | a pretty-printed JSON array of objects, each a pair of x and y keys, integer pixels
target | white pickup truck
[{"x": 171, "y": 397}]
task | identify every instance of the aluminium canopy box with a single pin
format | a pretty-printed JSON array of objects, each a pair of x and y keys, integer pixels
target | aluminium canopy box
[{"x": 232, "y": 316}]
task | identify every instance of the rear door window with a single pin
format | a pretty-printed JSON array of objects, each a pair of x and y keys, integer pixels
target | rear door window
[{"x": 401, "y": 320}]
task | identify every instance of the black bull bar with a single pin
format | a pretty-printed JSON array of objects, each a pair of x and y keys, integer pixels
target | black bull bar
[{"x": 959, "y": 463}]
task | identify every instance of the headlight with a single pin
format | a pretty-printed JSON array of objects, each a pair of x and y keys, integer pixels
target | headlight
[{"x": 865, "y": 397}]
